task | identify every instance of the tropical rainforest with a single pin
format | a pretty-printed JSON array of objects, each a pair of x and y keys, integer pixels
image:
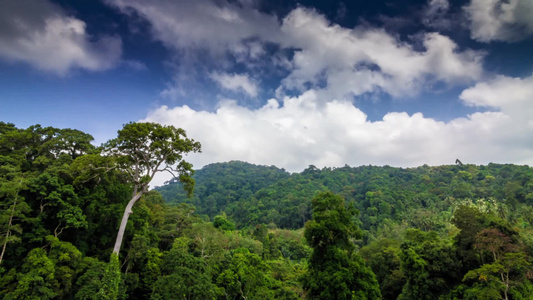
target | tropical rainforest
[{"x": 81, "y": 222}]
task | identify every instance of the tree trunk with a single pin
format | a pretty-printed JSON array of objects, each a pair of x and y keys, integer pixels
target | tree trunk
[
  {"x": 505, "y": 281},
  {"x": 8, "y": 233},
  {"x": 127, "y": 212}
]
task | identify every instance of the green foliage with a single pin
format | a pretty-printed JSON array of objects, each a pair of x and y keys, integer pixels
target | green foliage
[
  {"x": 335, "y": 270},
  {"x": 423, "y": 197},
  {"x": 13, "y": 210},
  {"x": 425, "y": 255},
  {"x": 383, "y": 256},
  {"x": 111, "y": 280},
  {"x": 184, "y": 276},
  {"x": 144, "y": 149},
  {"x": 223, "y": 223},
  {"x": 90, "y": 283},
  {"x": 246, "y": 277},
  {"x": 220, "y": 185},
  {"x": 37, "y": 280}
]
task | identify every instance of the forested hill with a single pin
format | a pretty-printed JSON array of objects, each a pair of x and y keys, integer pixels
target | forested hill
[{"x": 422, "y": 197}]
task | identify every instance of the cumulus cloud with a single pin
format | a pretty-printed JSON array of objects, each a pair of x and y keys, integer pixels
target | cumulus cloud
[
  {"x": 356, "y": 61},
  {"x": 338, "y": 62},
  {"x": 498, "y": 20},
  {"x": 235, "y": 82},
  {"x": 41, "y": 34},
  {"x": 304, "y": 130},
  {"x": 512, "y": 96}
]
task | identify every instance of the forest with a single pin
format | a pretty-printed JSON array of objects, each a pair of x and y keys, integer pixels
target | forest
[{"x": 79, "y": 221}]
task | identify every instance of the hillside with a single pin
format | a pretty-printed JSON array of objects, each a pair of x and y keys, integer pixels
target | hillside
[{"x": 423, "y": 197}]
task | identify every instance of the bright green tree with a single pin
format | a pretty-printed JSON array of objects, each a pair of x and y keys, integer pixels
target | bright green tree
[
  {"x": 111, "y": 280},
  {"x": 247, "y": 277},
  {"x": 144, "y": 149},
  {"x": 336, "y": 271},
  {"x": 37, "y": 280}
]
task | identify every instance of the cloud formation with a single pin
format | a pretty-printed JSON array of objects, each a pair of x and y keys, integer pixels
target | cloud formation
[
  {"x": 512, "y": 96},
  {"x": 365, "y": 59},
  {"x": 216, "y": 26},
  {"x": 497, "y": 20},
  {"x": 235, "y": 82},
  {"x": 41, "y": 34},
  {"x": 338, "y": 62}
]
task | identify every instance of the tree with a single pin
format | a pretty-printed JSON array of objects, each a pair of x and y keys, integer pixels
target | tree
[
  {"x": 183, "y": 275},
  {"x": 508, "y": 262},
  {"x": 429, "y": 264},
  {"x": 111, "y": 280},
  {"x": 144, "y": 149},
  {"x": 37, "y": 280},
  {"x": 384, "y": 257},
  {"x": 335, "y": 270},
  {"x": 222, "y": 222},
  {"x": 13, "y": 208},
  {"x": 470, "y": 221},
  {"x": 246, "y": 277},
  {"x": 487, "y": 282}
]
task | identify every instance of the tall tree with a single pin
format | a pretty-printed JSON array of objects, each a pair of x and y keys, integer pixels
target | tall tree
[
  {"x": 508, "y": 262},
  {"x": 335, "y": 270},
  {"x": 425, "y": 255},
  {"x": 13, "y": 210},
  {"x": 144, "y": 149}
]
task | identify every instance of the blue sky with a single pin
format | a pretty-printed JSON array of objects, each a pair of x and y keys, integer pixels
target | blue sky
[{"x": 286, "y": 83}]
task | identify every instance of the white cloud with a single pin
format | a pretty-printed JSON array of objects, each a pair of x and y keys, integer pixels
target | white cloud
[
  {"x": 492, "y": 20},
  {"x": 235, "y": 82},
  {"x": 217, "y": 26},
  {"x": 513, "y": 96},
  {"x": 337, "y": 61},
  {"x": 41, "y": 34},
  {"x": 304, "y": 130},
  {"x": 355, "y": 61}
]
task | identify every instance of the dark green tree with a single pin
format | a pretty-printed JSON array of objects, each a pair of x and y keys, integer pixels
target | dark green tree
[
  {"x": 383, "y": 256},
  {"x": 183, "y": 275},
  {"x": 336, "y": 271},
  {"x": 430, "y": 265}
]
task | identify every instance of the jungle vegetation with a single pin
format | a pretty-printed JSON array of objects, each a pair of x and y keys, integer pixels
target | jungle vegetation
[{"x": 251, "y": 232}]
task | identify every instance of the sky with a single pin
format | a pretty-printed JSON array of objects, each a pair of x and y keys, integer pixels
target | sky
[{"x": 284, "y": 83}]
